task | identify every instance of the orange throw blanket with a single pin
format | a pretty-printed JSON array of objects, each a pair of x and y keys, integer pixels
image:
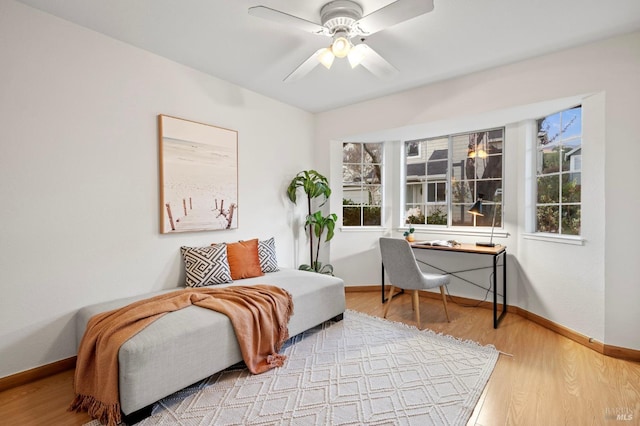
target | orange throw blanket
[{"x": 259, "y": 314}]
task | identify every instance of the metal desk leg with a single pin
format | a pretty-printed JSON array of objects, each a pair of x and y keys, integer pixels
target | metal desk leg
[
  {"x": 383, "y": 299},
  {"x": 495, "y": 292},
  {"x": 496, "y": 318}
]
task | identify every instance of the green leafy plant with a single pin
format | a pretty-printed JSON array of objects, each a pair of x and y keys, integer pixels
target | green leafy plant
[
  {"x": 314, "y": 186},
  {"x": 319, "y": 224},
  {"x": 409, "y": 232}
]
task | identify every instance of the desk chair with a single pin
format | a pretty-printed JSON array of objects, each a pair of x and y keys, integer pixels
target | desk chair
[{"x": 400, "y": 264}]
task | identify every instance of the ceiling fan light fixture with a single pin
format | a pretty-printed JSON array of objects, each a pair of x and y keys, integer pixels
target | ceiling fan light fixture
[
  {"x": 356, "y": 55},
  {"x": 326, "y": 57},
  {"x": 341, "y": 45}
]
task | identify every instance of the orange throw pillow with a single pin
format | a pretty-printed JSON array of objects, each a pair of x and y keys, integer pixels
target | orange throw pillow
[{"x": 243, "y": 258}]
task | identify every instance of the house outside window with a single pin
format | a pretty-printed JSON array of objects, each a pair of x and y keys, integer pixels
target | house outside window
[
  {"x": 362, "y": 171},
  {"x": 559, "y": 172},
  {"x": 450, "y": 174}
]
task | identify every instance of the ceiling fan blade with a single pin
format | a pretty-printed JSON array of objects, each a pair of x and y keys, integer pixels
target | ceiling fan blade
[
  {"x": 392, "y": 14},
  {"x": 375, "y": 63},
  {"x": 305, "y": 67},
  {"x": 284, "y": 18}
]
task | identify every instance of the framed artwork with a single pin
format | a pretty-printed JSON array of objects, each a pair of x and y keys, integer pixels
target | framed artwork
[{"x": 198, "y": 176}]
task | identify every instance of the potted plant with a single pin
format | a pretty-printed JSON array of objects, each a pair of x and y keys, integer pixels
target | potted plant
[
  {"x": 314, "y": 186},
  {"x": 318, "y": 224},
  {"x": 408, "y": 235}
]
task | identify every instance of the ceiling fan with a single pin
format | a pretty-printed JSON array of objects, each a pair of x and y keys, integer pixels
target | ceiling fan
[{"x": 342, "y": 20}]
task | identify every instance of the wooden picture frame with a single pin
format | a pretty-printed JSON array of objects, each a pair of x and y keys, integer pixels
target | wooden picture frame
[{"x": 198, "y": 176}]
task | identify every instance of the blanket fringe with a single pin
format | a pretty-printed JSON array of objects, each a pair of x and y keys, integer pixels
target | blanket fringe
[
  {"x": 276, "y": 360},
  {"x": 107, "y": 414}
]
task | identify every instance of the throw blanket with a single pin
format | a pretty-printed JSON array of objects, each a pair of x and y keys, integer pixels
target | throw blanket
[{"x": 259, "y": 314}]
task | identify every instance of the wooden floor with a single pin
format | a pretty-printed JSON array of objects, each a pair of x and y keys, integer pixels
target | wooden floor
[{"x": 550, "y": 380}]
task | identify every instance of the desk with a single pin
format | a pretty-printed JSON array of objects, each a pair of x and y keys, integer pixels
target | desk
[{"x": 494, "y": 252}]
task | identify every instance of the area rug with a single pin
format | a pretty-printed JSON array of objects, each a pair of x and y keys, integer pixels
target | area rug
[{"x": 362, "y": 370}]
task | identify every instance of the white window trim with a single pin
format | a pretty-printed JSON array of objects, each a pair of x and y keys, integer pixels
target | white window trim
[
  {"x": 448, "y": 229},
  {"x": 531, "y": 195},
  {"x": 575, "y": 240},
  {"x": 477, "y": 232},
  {"x": 367, "y": 228},
  {"x": 383, "y": 194}
]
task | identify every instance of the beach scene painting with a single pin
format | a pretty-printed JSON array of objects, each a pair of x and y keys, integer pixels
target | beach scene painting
[{"x": 198, "y": 176}]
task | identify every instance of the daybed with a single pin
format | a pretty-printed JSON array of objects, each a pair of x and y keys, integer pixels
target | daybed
[{"x": 191, "y": 344}]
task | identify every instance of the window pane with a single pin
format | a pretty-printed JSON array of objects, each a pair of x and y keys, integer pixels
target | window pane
[
  {"x": 372, "y": 216},
  {"x": 437, "y": 149},
  {"x": 374, "y": 195},
  {"x": 351, "y": 173},
  {"x": 489, "y": 167},
  {"x": 572, "y": 122},
  {"x": 351, "y": 153},
  {"x": 549, "y": 160},
  {"x": 437, "y": 214},
  {"x": 372, "y": 152},
  {"x": 431, "y": 192},
  {"x": 413, "y": 148},
  {"x": 548, "y": 219},
  {"x": 371, "y": 173},
  {"x": 413, "y": 193},
  {"x": 462, "y": 192},
  {"x": 495, "y": 147},
  {"x": 415, "y": 215},
  {"x": 570, "y": 150},
  {"x": 441, "y": 191},
  {"x": 351, "y": 216},
  {"x": 549, "y": 129},
  {"x": 548, "y": 189},
  {"x": 571, "y": 220},
  {"x": 353, "y": 196},
  {"x": 460, "y": 158},
  {"x": 460, "y": 215},
  {"x": 571, "y": 188}
]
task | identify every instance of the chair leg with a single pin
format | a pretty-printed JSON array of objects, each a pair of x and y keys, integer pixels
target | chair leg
[
  {"x": 444, "y": 301},
  {"x": 389, "y": 299},
  {"x": 416, "y": 306}
]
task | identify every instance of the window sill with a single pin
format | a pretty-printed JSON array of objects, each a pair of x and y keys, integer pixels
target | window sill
[
  {"x": 362, "y": 229},
  {"x": 499, "y": 233},
  {"x": 552, "y": 238}
]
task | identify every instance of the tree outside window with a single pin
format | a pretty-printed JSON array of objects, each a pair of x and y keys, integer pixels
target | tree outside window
[
  {"x": 362, "y": 169},
  {"x": 558, "y": 172}
]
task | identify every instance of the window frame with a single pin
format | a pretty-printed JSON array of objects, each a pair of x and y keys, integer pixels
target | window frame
[
  {"x": 362, "y": 185},
  {"x": 473, "y": 229},
  {"x": 538, "y": 161}
]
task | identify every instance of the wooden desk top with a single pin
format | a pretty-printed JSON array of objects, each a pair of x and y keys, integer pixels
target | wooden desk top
[{"x": 463, "y": 247}]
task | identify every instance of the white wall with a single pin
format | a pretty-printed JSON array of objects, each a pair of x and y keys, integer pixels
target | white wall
[
  {"x": 591, "y": 288},
  {"x": 79, "y": 175}
]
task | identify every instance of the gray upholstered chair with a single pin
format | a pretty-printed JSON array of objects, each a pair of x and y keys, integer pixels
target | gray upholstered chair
[{"x": 400, "y": 265}]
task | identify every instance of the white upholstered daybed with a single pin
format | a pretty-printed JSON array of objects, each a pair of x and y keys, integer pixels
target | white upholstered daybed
[{"x": 191, "y": 344}]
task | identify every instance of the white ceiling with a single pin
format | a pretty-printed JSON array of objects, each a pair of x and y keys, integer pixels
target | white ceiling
[{"x": 458, "y": 37}]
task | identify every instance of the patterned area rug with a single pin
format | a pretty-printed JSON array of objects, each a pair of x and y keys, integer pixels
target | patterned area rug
[{"x": 362, "y": 370}]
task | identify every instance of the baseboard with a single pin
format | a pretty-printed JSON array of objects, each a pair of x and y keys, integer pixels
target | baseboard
[
  {"x": 622, "y": 353},
  {"x": 37, "y": 373},
  {"x": 609, "y": 350}
]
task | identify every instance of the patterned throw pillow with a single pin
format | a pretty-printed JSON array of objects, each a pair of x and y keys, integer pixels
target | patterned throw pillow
[
  {"x": 267, "y": 255},
  {"x": 206, "y": 265}
]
